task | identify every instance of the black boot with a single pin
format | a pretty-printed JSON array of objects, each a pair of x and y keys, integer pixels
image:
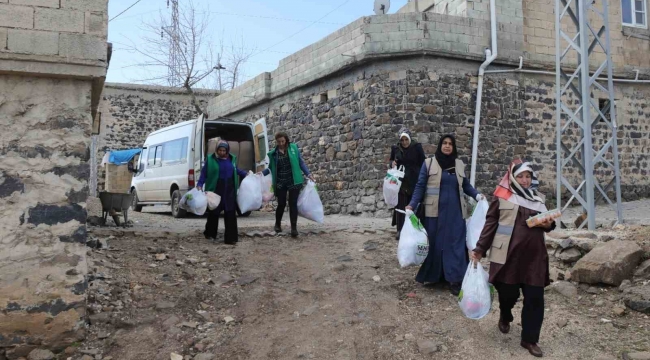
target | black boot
[
  {"x": 277, "y": 228},
  {"x": 294, "y": 232}
]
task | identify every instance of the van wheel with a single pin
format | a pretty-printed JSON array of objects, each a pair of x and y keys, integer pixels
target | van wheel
[
  {"x": 177, "y": 212},
  {"x": 134, "y": 202}
]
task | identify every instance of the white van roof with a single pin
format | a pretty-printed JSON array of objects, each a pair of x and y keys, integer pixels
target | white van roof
[{"x": 181, "y": 124}]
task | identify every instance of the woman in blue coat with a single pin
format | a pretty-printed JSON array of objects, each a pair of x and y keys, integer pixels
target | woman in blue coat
[
  {"x": 221, "y": 176},
  {"x": 439, "y": 189}
]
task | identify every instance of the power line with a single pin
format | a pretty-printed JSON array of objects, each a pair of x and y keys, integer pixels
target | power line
[
  {"x": 301, "y": 30},
  {"x": 125, "y": 10},
  {"x": 274, "y": 18}
]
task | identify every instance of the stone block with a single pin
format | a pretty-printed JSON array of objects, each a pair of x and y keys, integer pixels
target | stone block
[
  {"x": 16, "y": 16},
  {"x": 86, "y": 5},
  {"x": 33, "y": 42},
  {"x": 79, "y": 46},
  {"x": 96, "y": 24},
  {"x": 39, "y": 3},
  {"x": 397, "y": 75},
  {"x": 332, "y": 94},
  {"x": 610, "y": 263},
  {"x": 59, "y": 20},
  {"x": 3, "y": 38}
]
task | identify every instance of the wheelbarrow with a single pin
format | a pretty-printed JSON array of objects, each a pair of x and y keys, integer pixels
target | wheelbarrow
[{"x": 114, "y": 203}]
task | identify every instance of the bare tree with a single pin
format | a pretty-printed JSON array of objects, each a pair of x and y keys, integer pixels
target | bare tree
[
  {"x": 234, "y": 56},
  {"x": 179, "y": 54}
]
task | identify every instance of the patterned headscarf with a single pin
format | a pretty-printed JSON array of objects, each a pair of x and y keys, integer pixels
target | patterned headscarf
[{"x": 509, "y": 189}]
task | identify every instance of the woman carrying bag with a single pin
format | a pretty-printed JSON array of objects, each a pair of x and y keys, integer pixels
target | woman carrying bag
[
  {"x": 407, "y": 153},
  {"x": 518, "y": 257},
  {"x": 439, "y": 189},
  {"x": 287, "y": 168},
  {"x": 221, "y": 176}
]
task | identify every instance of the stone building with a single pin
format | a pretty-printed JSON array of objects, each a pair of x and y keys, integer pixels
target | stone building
[
  {"x": 130, "y": 112},
  {"x": 53, "y": 62},
  {"x": 343, "y": 98}
]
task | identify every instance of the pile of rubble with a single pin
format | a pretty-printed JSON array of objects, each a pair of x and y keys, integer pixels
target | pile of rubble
[{"x": 587, "y": 260}]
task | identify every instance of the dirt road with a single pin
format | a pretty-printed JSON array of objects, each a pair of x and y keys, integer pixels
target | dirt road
[{"x": 342, "y": 295}]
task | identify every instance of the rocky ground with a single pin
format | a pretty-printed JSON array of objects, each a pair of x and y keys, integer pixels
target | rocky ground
[{"x": 159, "y": 290}]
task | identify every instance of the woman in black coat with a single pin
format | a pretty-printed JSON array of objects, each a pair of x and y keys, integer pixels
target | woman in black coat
[{"x": 408, "y": 153}]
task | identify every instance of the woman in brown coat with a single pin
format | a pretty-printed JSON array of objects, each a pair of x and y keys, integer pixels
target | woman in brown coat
[{"x": 518, "y": 257}]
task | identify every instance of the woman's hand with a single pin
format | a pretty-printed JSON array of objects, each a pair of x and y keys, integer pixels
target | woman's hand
[
  {"x": 311, "y": 177},
  {"x": 394, "y": 163},
  {"x": 480, "y": 197},
  {"x": 476, "y": 257},
  {"x": 546, "y": 224},
  {"x": 409, "y": 207},
  {"x": 199, "y": 188}
]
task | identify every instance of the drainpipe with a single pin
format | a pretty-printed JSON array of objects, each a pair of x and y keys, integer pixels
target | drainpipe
[
  {"x": 490, "y": 56},
  {"x": 520, "y": 69}
]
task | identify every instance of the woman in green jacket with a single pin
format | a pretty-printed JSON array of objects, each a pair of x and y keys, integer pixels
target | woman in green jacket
[{"x": 287, "y": 168}]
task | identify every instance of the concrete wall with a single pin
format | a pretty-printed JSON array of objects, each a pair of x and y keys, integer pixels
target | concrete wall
[
  {"x": 130, "y": 112},
  {"x": 630, "y": 46},
  {"x": 53, "y": 61}
]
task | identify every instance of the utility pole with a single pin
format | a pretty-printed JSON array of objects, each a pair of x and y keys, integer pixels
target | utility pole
[{"x": 586, "y": 138}]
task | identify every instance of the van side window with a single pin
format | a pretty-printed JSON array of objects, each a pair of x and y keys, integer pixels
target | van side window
[
  {"x": 158, "y": 155},
  {"x": 154, "y": 158},
  {"x": 174, "y": 152},
  {"x": 151, "y": 156}
]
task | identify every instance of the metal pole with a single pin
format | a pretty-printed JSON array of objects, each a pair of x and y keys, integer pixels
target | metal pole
[
  {"x": 587, "y": 154},
  {"x": 612, "y": 112},
  {"x": 558, "y": 108}
]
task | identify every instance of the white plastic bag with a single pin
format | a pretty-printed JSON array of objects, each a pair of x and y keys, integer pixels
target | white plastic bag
[
  {"x": 392, "y": 184},
  {"x": 309, "y": 204},
  {"x": 267, "y": 188},
  {"x": 475, "y": 298},
  {"x": 413, "y": 244},
  {"x": 213, "y": 200},
  {"x": 249, "y": 197},
  {"x": 475, "y": 224},
  {"x": 194, "y": 201}
]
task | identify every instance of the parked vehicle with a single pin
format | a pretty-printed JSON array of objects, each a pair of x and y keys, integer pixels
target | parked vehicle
[{"x": 172, "y": 158}]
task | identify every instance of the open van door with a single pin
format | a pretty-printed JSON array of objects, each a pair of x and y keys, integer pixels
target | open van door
[
  {"x": 261, "y": 144},
  {"x": 198, "y": 147}
]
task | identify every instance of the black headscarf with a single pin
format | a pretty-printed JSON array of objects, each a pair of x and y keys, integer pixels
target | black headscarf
[{"x": 447, "y": 162}]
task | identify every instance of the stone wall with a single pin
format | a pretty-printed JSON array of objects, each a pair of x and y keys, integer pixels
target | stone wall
[
  {"x": 53, "y": 62},
  {"x": 345, "y": 125},
  {"x": 130, "y": 112},
  {"x": 43, "y": 188}
]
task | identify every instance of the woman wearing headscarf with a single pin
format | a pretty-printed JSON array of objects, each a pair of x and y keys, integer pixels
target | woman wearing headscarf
[
  {"x": 221, "y": 176},
  {"x": 518, "y": 257},
  {"x": 408, "y": 153},
  {"x": 440, "y": 187},
  {"x": 287, "y": 168}
]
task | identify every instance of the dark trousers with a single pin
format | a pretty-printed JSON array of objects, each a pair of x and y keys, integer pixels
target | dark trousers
[
  {"x": 398, "y": 218},
  {"x": 281, "y": 194},
  {"x": 230, "y": 220},
  {"x": 532, "y": 314}
]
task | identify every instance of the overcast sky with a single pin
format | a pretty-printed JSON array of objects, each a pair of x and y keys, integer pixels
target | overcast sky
[{"x": 281, "y": 26}]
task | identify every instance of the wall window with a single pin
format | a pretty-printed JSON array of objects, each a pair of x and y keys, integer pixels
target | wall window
[
  {"x": 174, "y": 152},
  {"x": 634, "y": 13}
]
